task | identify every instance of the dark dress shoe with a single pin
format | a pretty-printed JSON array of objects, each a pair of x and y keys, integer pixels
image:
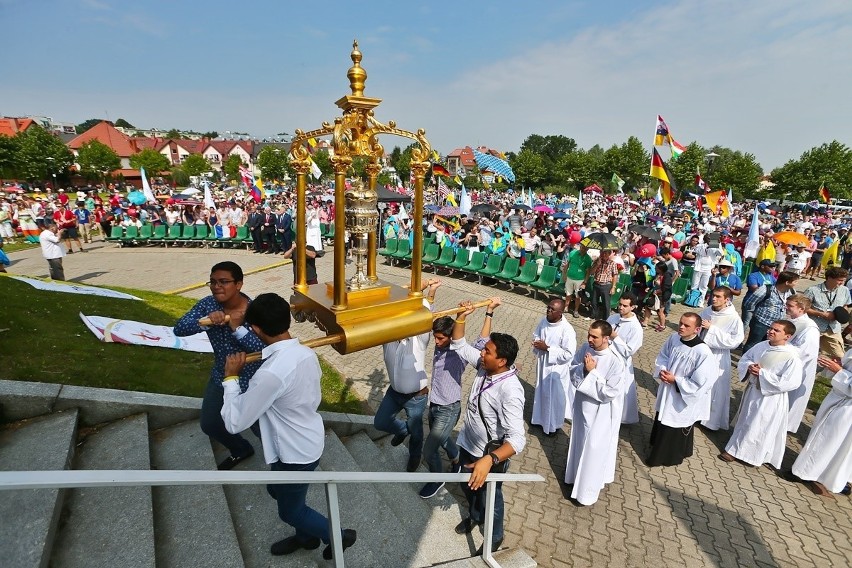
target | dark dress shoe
[
  {"x": 495, "y": 546},
  {"x": 230, "y": 462},
  {"x": 293, "y": 543},
  {"x": 466, "y": 526},
  {"x": 398, "y": 439},
  {"x": 349, "y": 538}
]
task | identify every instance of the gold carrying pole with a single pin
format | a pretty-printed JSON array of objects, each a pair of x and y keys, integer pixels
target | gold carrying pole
[
  {"x": 460, "y": 309},
  {"x": 312, "y": 343}
]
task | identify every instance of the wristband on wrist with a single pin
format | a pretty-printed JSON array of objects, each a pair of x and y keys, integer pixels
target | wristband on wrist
[
  {"x": 230, "y": 378},
  {"x": 489, "y": 314},
  {"x": 460, "y": 320}
]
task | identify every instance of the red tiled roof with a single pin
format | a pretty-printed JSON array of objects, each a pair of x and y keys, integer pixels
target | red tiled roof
[
  {"x": 12, "y": 126},
  {"x": 222, "y": 146},
  {"x": 465, "y": 156},
  {"x": 106, "y": 133}
]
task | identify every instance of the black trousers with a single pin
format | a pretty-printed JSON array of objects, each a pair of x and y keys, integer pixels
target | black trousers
[{"x": 601, "y": 294}]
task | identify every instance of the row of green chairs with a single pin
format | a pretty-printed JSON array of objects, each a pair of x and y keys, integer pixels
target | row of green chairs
[{"x": 176, "y": 234}]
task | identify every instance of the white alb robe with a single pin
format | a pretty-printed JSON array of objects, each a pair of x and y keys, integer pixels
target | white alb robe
[
  {"x": 552, "y": 373},
  {"x": 725, "y": 333},
  {"x": 806, "y": 340},
  {"x": 694, "y": 369},
  {"x": 313, "y": 234},
  {"x": 827, "y": 455},
  {"x": 629, "y": 340},
  {"x": 760, "y": 433},
  {"x": 590, "y": 465}
]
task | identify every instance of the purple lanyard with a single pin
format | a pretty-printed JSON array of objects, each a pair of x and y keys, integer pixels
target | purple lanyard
[{"x": 483, "y": 388}]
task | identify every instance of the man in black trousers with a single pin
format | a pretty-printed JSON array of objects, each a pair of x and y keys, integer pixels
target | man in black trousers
[
  {"x": 284, "y": 226},
  {"x": 254, "y": 222},
  {"x": 267, "y": 230}
]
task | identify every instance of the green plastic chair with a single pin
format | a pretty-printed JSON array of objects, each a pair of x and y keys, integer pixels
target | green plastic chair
[
  {"x": 323, "y": 230},
  {"x": 624, "y": 283},
  {"x": 476, "y": 263},
  {"x": 492, "y": 267},
  {"x": 145, "y": 233},
  {"x": 131, "y": 234},
  {"x": 392, "y": 245},
  {"x": 461, "y": 260},
  {"x": 173, "y": 235},
  {"x": 511, "y": 268},
  {"x": 116, "y": 233},
  {"x": 679, "y": 289},
  {"x": 432, "y": 253},
  {"x": 402, "y": 252},
  {"x": 747, "y": 268},
  {"x": 447, "y": 256},
  {"x": 687, "y": 272},
  {"x": 545, "y": 280},
  {"x": 202, "y": 232},
  {"x": 529, "y": 272},
  {"x": 158, "y": 235}
]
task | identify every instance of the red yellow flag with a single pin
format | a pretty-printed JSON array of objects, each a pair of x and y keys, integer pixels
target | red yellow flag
[
  {"x": 661, "y": 172},
  {"x": 717, "y": 201},
  {"x": 439, "y": 170},
  {"x": 823, "y": 193}
]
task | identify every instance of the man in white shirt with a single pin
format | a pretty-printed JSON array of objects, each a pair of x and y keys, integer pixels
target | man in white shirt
[
  {"x": 494, "y": 411},
  {"x": 52, "y": 250},
  {"x": 283, "y": 396}
]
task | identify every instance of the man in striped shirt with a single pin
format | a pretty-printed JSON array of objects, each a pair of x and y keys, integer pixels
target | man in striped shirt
[{"x": 604, "y": 271}]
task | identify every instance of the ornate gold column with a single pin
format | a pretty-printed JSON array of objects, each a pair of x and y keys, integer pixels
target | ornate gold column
[
  {"x": 341, "y": 165},
  {"x": 301, "y": 167},
  {"x": 372, "y": 170},
  {"x": 419, "y": 168}
]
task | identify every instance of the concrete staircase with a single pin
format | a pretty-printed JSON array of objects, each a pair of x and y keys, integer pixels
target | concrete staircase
[{"x": 55, "y": 427}]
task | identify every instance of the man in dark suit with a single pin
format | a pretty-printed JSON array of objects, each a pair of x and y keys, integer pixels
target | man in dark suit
[
  {"x": 254, "y": 222},
  {"x": 267, "y": 230},
  {"x": 284, "y": 226}
]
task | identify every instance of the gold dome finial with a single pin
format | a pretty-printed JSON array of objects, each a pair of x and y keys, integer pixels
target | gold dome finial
[{"x": 357, "y": 76}]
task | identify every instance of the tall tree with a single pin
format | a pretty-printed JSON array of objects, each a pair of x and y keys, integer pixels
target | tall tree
[
  {"x": 121, "y": 123},
  {"x": 272, "y": 162},
  {"x": 151, "y": 160},
  {"x": 96, "y": 159},
  {"x": 551, "y": 148},
  {"x": 231, "y": 167},
  {"x": 8, "y": 156},
  {"x": 736, "y": 171},
  {"x": 530, "y": 169},
  {"x": 173, "y": 133},
  {"x": 211, "y": 134},
  {"x": 41, "y": 154},
  {"x": 357, "y": 168},
  {"x": 88, "y": 124},
  {"x": 630, "y": 161},
  {"x": 829, "y": 164},
  {"x": 195, "y": 165},
  {"x": 323, "y": 162}
]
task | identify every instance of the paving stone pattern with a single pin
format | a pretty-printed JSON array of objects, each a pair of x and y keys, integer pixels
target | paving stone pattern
[{"x": 702, "y": 513}]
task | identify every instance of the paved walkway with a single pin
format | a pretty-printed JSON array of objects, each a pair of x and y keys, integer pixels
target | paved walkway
[{"x": 702, "y": 513}]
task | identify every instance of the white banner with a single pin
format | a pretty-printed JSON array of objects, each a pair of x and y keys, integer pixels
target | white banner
[
  {"x": 111, "y": 330},
  {"x": 74, "y": 288}
]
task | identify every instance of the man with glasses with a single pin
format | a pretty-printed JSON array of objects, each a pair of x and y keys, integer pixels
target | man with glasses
[
  {"x": 554, "y": 344},
  {"x": 225, "y": 307}
]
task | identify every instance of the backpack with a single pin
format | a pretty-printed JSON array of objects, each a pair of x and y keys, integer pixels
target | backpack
[{"x": 693, "y": 299}]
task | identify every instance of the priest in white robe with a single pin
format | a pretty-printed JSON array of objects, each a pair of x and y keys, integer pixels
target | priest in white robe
[
  {"x": 627, "y": 338},
  {"x": 772, "y": 369},
  {"x": 685, "y": 368},
  {"x": 597, "y": 373},
  {"x": 826, "y": 458},
  {"x": 806, "y": 340},
  {"x": 722, "y": 330},
  {"x": 554, "y": 344}
]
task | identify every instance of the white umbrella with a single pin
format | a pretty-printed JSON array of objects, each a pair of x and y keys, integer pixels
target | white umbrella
[{"x": 190, "y": 191}]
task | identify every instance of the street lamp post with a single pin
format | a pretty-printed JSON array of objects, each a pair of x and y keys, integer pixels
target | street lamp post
[{"x": 710, "y": 158}]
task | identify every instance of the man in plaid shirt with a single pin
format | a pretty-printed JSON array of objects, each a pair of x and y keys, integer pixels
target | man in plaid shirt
[{"x": 604, "y": 272}]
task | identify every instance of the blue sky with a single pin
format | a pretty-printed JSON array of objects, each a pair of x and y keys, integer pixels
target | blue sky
[{"x": 771, "y": 77}]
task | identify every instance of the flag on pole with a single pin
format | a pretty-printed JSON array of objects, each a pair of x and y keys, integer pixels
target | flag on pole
[
  {"x": 618, "y": 182},
  {"x": 458, "y": 180},
  {"x": 753, "y": 243},
  {"x": 464, "y": 202},
  {"x": 439, "y": 170},
  {"x": 717, "y": 201},
  {"x": 146, "y": 187},
  {"x": 315, "y": 169},
  {"x": 451, "y": 199},
  {"x": 255, "y": 187},
  {"x": 312, "y": 142},
  {"x": 701, "y": 184},
  {"x": 208, "y": 196},
  {"x": 661, "y": 172},
  {"x": 661, "y": 134},
  {"x": 677, "y": 148},
  {"x": 823, "y": 193},
  {"x": 830, "y": 258},
  {"x": 403, "y": 214},
  {"x": 443, "y": 190},
  {"x": 580, "y": 202}
]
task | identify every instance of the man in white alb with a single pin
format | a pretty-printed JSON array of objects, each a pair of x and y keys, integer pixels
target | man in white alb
[
  {"x": 554, "y": 344},
  {"x": 721, "y": 330},
  {"x": 627, "y": 337},
  {"x": 806, "y": 340}
]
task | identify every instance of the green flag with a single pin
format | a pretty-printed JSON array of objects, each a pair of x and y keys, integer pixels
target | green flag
[{"x": 618, "y": 182}]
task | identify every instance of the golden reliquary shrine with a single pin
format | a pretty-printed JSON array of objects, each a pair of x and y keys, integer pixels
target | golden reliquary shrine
[{"x": 357, "y": 310}]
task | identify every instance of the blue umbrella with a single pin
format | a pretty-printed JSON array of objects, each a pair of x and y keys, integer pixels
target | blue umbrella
[
  {"x": 564, "y": 206},
  {"x": 561, "y": 216},
  {"x": 494, "y": 164},
  {"x": 431, "y": 208},
  {"x": 136, "y": 197}
]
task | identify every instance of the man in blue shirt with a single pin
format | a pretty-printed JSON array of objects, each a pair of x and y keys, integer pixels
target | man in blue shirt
[
  {"x": 724, "y": 275},
  {"x": 83, "y": 221}
]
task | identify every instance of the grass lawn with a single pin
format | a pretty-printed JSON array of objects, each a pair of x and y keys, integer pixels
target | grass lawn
[
  {"x": 43, "y": 339},
  {"x": 16, "y": 246}
]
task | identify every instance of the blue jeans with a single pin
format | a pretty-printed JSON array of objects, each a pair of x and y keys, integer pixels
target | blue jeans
[
  {"x": 414, "y": 406},
  {"x": 442, "y": 419},
  {"x": 476, "y": 499},
  {"x": 756, "y": 334},
  {"x": 213, "y": 425},
  {"x": 291, "y": 504}
]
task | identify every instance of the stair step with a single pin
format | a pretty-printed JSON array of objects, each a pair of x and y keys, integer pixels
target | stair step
[
  {"x": 432, "y": 519},
  {"x": 255, "y": 517},
  {"x": 508, "y": 558},
  {"x": 109, "y": 526},
  {"x": 213, "y": 542},
  {"x": 28, "y": 518},
  {"x": 382, "y": 539}
]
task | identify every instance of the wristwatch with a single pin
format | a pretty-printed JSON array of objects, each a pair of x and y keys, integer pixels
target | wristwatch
[{"x": 494, "y": 458}]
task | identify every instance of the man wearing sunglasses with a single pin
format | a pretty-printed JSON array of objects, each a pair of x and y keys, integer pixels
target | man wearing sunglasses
[{"x": 225, "y": 307}]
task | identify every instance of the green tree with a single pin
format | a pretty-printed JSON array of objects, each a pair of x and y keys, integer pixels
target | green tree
[
  {"x": 272, "y": 162},
  {"x": 173, "y": 133},
  {"x": 231, "y": 167},
  {"x": 630, "y": 161},
  {"x": 736, "y": 171},
  {"x": 96, "y": 159},
  {"x": 151, "y": 160},
  {"x": 551, "y": 148},
  {"x": 86, "y": 125},
  {"x": 829, "y": 164},
  {"x": 684, "y": 168},
  {"x": 8, "y": 156},
  {"x": 383, "y": 179},
  {"x": 401, "y": 161},
  {"x": 41, "y": 154},
  {"x": 121, "y": 123},
  {"x": 530, "y": 169},
  {"x": 211, "y": 134},
  {"x": 323, "y": 162},
  {"x": 195, "y": 165},
  {"x": 180, "y": 177},
  {"x": 358, "y": 166}
]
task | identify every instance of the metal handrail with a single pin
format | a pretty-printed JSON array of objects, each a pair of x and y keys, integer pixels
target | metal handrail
[{"x": 63, "y": 479}]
